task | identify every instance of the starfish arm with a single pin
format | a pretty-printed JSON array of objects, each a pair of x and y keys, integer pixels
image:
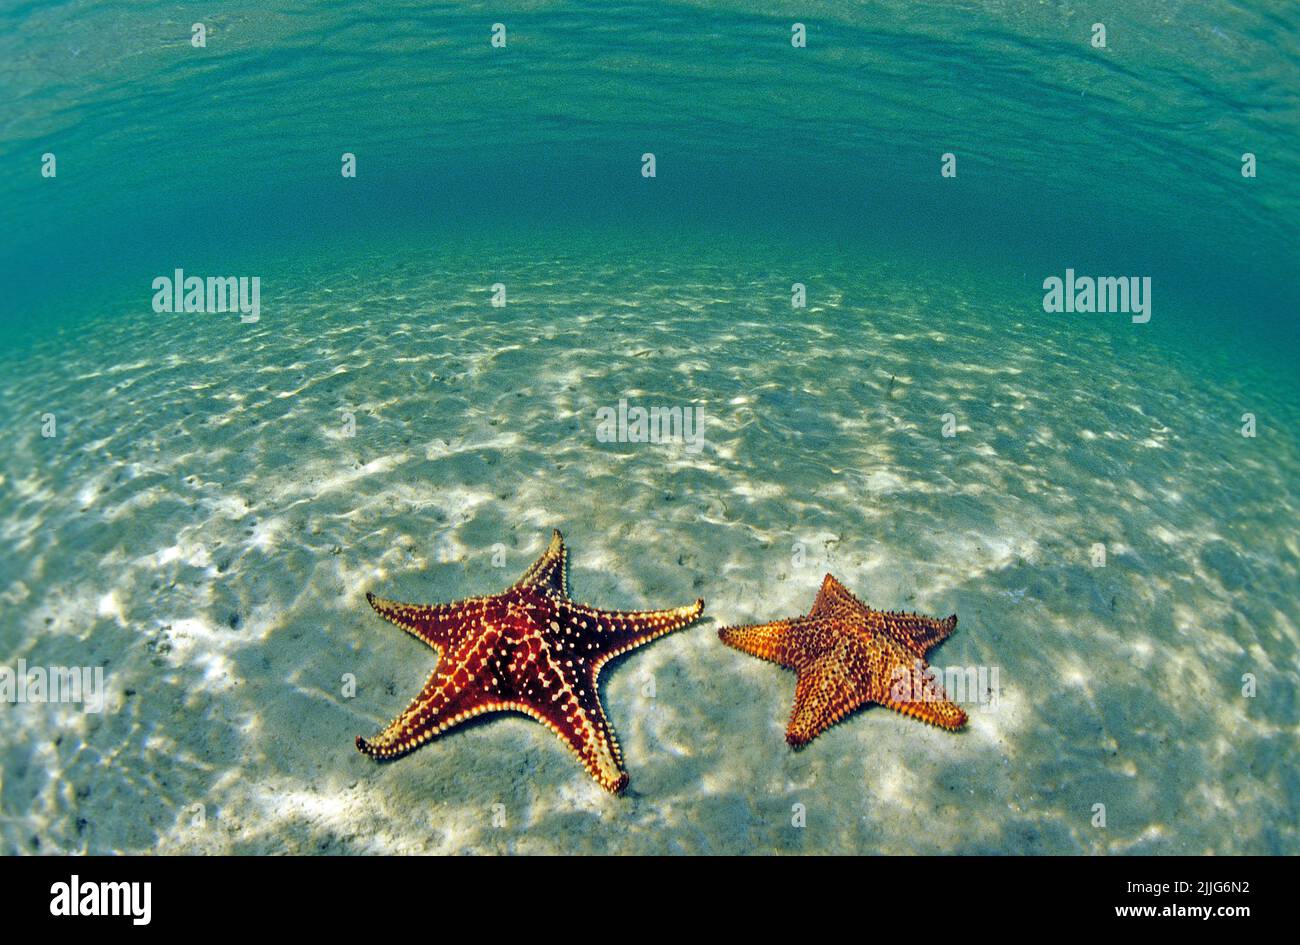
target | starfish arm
[
  {"x": 768, "y": 641},
  {"x": 822, "y": 696},
  {"x": 919, "y": 634},
  {"x": 575, "y": 715},
  {"x": 942, "y": 713},
  {"x": 911, "y": 688},
  {"x": 834, "y": 596},
  {"x": 438, "y": 625},
  {"x": 440, "y": 706},
  {"x": 617, "y": 631},
  {"x": 550, "y": 572}
]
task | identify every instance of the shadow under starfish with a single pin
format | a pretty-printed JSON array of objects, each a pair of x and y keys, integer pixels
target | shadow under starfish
[{"x": 529, "y": 649}]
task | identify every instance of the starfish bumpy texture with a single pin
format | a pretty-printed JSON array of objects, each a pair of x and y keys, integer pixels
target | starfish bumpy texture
[
  {"x": 530, "y": 649},
  {"x": 847, "y": 655}
]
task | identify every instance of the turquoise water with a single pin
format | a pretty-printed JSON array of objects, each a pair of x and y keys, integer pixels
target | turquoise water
[{"x": 204, "y": 527}]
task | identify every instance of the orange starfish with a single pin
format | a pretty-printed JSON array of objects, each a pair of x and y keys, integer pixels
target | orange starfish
[
  {"x": 847, "y": 655},
  {"x": 530, "y": 649}
]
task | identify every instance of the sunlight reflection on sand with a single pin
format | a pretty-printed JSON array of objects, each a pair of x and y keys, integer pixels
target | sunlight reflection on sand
[{"x": 205, "y": 529}]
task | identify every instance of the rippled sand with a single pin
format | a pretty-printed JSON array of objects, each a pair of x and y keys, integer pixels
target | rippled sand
[{"x": 204, "y": 529}]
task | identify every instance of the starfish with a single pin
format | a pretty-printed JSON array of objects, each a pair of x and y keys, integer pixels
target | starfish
[
  {"x": 530, "y": 649},
  {"x": 847, "y": 655}
]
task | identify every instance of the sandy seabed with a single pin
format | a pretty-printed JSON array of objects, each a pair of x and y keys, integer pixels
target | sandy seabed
[{"x": 203, "y": 527}]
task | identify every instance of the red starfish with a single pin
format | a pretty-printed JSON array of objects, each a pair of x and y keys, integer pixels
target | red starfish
[
  {"x": 847, "y": 655},
  {"x": 530, "y": 649}
]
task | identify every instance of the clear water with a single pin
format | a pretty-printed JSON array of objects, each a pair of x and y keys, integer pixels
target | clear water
[{"x": 202, "y": 528}]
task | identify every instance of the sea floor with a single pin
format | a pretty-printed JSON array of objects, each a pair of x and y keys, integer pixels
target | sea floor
[{"x": 205, "y": 523}]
